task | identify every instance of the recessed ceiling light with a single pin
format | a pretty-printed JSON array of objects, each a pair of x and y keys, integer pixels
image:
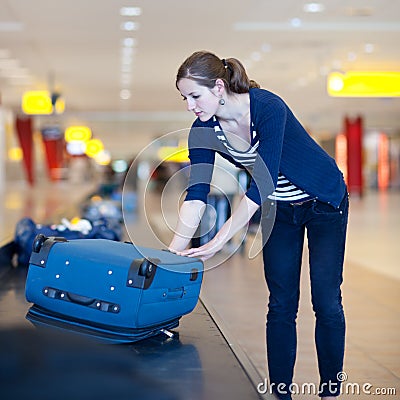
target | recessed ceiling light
[
  {"x": 130, "y": 11},
  {"x": 125, "y": 94},
  {"x": 266, "y": 48},
  {"x": 369, "y": 48},
  {"x": 295, "y": 22},
  {"x": 129, "y": 42},
  {"x": 313, "y": 7},
  {"x": 129, "y": 26}
]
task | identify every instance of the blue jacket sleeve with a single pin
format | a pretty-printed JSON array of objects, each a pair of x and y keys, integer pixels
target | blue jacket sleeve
[{"x": 202, "y": 158}]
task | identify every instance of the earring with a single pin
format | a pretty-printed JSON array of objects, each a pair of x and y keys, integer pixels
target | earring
[{"x": 221, "y": 101}]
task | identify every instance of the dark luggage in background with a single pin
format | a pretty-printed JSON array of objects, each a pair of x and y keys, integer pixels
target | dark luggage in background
[
  {"x": 26, "y": 231},
  {"x": 96, "y": 208},
  {"x": 114, "y": 291}
]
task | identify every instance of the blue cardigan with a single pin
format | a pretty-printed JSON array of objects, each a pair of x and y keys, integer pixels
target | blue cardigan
[{"x": 284, "y": 146}]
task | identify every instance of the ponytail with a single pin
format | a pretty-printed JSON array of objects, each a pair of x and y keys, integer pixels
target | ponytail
[
  {"x": 238, "y": 81},
  {"x": 205, "y": 68}
]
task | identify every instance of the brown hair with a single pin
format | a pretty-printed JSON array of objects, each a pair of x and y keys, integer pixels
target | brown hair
[{"x": 205, "y": 68}]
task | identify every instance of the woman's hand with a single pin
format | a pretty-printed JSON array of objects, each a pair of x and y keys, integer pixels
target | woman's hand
[
  {"x": 238, "y": 220},
  {"x": 203, "y": 252}
]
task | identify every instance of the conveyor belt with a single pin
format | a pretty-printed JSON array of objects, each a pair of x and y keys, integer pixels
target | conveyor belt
[{"x": 197, "y": 363}]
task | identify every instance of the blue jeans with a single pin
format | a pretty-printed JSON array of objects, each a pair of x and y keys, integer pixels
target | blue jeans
[{"x": 326, "y": 233}]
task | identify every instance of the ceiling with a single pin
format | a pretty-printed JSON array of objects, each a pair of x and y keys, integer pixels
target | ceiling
[{"x": 75, "y": 48}]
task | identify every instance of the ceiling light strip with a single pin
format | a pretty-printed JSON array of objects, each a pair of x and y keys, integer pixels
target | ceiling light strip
[{"x": 318, "y": 26}]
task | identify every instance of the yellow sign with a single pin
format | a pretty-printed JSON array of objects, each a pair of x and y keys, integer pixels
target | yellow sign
[
  {"x": 173, "y": 154},
  {"x": 15, "y": 154},
  {"x": 77, "y": 134},
  {"x": 94, "y": 147},
  {"x": 364, "y": 84},
  {"x": 37, "y": 102}
]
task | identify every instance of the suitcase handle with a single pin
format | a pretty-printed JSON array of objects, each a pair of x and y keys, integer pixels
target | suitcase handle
[
  {"x": 176, "y": 293},
  {"x": 76, "y": 298},
  {"x": 99, "y": 305}
]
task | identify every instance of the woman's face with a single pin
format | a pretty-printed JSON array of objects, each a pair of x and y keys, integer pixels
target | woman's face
[{"x": 199, "y": 99}]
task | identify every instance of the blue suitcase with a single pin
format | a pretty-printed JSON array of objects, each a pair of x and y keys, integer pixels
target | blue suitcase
[{"x": 113, "y": 291}]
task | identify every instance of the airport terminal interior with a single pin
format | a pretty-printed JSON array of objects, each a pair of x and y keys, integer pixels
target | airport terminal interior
[{"x": 110, "y": 153}]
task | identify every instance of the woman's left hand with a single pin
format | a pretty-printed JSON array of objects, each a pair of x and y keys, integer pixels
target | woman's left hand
[{"x": 203, "y": 252}]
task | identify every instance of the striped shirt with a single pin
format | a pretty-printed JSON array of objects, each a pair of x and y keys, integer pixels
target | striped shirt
[{"x": 284, "y": 191}]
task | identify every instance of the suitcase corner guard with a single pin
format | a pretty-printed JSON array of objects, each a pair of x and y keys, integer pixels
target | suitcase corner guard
[
  {"x": 41, "y": 247},
  {"x": 141, "y": 272}
]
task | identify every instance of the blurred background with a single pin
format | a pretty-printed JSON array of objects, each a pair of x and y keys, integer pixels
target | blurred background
[
  {"x": 92, "y": 128},
  {"x": 109, "y": 66}
]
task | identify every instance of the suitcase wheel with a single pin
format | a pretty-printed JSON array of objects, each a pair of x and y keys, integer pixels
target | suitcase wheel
[
  {"x": 38, "y": 242},
  {"x": 146, "y": 269}
]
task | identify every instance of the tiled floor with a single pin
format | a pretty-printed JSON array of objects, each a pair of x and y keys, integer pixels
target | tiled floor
[{"x": 236, "y": 295}]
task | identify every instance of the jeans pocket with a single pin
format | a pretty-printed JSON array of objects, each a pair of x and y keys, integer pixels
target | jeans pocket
[{"x": 321, "y": 208}]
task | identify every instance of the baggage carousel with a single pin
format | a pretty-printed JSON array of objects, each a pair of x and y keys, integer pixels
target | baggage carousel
[{"x": 195, "y": 361}]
